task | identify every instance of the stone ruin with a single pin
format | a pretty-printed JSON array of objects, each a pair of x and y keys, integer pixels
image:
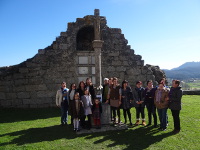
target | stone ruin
[{"x": 89, "y": 48}]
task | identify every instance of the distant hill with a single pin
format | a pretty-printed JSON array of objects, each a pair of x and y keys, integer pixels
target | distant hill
[{"x": 186, "y": 71}]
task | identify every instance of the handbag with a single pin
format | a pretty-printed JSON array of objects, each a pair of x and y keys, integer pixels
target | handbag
[{"x": 114, "y": 102}]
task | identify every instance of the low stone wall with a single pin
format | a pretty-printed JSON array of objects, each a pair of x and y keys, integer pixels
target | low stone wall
[{"x": 191, "y": 92}]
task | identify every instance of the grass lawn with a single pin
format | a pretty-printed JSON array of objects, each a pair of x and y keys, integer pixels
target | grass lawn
[
  {"x": 39, "y": 129},
  {"x": 194, "y": 85}
]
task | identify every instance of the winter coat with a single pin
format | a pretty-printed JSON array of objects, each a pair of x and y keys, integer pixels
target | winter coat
[
  {"x": 70, "y": 102},
  {"x": 162, "y": 103},
  {"x": 77, "y": 114},
  {"x": 138, "y": 95},
  {"x": 128, "y": 95},
  {"x": 87, "y": 103},
  {"x": 94, "y": 106},
  {"x": 175, "y": 96},
  {"x": 149, "y": 96},
  {"x": 62, "y": 93}
]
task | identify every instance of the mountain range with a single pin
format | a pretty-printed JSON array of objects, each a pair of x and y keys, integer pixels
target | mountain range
[{"x": 186, "y": 71}]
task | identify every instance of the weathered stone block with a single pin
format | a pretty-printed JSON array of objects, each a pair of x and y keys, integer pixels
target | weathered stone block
[
  {"x": 23, "y": 95},
  {"x": 16, "y": 102},
  {"x": 19, "y": 88},
  {"x": 6, "y": 103},
  {"x": 116, "y": 63},
  {"x": 41, "y": 51},
  {"x": 27, "y": 101},
  {"x": 113, "y": 53},
  {"x": 133, "y": 71},
  {"x": 63, "y": 46},
  {"x": 33, "y": 106},
  {"x": 35, "y": 80},
  {"x": 3, "y": 89},
  {"x": 122, "y": 58},
  {"x": 2, "y": 95},
  {"x": 11, "y": 95},
  {"x": 120, "y": 68},
  {"x": 105, "y": 116},
  {"x": 40, "y": 87},
  {"x": 23, "y": 70},
  {"x": 63, "y": 34},
  {"x": 125, "y": 63},
  {"x": 18, "y": 76},
  {"x": 21, "y": 82},
  {"x": 111, "y": 68}
]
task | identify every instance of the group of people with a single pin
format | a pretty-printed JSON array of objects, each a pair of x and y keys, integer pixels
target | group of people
[{"x": 82, "y": 102}]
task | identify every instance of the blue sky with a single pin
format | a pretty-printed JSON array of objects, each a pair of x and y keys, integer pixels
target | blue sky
[{"x": 164, "y": 32}]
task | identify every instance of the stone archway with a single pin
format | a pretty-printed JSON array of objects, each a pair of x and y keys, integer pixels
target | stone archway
[{"x": 84, "y": 39}]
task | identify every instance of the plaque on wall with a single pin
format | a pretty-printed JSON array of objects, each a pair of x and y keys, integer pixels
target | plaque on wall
[
  {"x": 93, "y": 60},
  {"x": 83, "y": 70},
  {"x": 83, "y": 59},
  {"x": 93, "y": 70},
  {"x": 93, "y": 80}
]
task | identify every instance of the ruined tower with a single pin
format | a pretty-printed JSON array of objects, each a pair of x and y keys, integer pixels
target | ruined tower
[{"x": 88, "y": 48}]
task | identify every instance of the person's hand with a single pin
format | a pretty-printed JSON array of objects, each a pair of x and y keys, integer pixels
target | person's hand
[
  {"x": 138, "y": 102},
  {"x": 167, "y": 98},
  {"x": 106, "y": 102},
  {"x": 120, "y": 102}
]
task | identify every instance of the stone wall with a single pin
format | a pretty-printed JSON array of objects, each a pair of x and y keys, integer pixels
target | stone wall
[
  {"x": 191, "y": 92},
  {"x": 33, "y": 83}
]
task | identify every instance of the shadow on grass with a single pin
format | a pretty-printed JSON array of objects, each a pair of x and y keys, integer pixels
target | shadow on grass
[
  {"x": 139, "y": 138},
  {"x": 14, "y": 115},
  {"x": 35, "y": 135}
]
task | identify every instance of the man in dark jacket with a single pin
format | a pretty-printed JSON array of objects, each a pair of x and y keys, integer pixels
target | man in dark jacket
[
  {"x": 175, "y": 96},
  {"x": 138, "y": 96}
]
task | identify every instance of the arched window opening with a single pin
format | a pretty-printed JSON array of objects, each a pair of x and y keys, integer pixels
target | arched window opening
[{"x": 84, "y": 39}]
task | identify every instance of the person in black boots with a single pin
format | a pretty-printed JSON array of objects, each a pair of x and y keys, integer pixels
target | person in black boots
[
  {"x": 175, "y": 96},
  {"x": 72, "y": 92},
  {"x": 138, "y": 96},
  {"x": 127, "y": 97},
  {"x": 149, "y": 94}
]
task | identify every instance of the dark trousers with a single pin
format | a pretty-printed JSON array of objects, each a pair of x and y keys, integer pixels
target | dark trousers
[
  {"x": 114, "y": 111},
  {"x": 176, "y": 118},
  {"x": 88, "y": 124},
  {"x": 151, "y": 112},
  {"x": 139, "y": 110},
  {"x": 125, "y": 112}
]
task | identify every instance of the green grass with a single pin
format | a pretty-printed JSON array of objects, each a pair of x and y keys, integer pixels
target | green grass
[
  {"x": 39, "y": 129},
  {"x": 194, "y": 85}
]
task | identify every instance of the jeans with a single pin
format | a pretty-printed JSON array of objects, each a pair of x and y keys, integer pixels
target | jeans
[
  {"x": 162, "y": 113},
  {"x": 176, "y": 118},
  {"x": 64, "y": 113}
]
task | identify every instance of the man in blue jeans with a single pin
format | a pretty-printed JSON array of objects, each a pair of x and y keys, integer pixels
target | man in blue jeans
[
  {"x": 161, "y": 102},
  {"x": 62, "y": 102}
]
